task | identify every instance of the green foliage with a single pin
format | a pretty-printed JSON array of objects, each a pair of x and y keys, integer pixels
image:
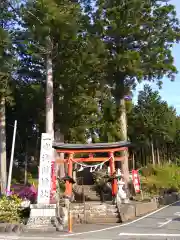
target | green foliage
[
  {"x": 18, "y": 175},
  {"x": 138, "y": 36},
  {"x": 165, "y": 177},
  {"x": 147, "y": 171},
  {"x": 6, "y": 53},
  {"x": 98, "y": 55},
  {"x": 10, "y": 209},
  {"x": 152, "y": 119}
]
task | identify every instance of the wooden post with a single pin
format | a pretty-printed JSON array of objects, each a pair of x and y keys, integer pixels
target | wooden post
[
  {"x": 70, "y": 173},
  {"x": 70, "y": 221},
  {"x": 112, "y": 172}
]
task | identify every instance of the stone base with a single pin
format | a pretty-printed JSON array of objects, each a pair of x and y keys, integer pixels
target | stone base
[
  {"x": 135, "y": 209},
  {"x": 42, "y": 217}
]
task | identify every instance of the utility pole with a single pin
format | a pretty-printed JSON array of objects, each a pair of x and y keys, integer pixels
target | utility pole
[
  {"x": 26, "y": 159},
  {"x": 3, "y": 163},
  {"x": 11, "y": 159}
]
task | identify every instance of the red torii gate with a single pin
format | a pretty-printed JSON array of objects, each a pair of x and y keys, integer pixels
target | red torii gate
[{"x": 73, "y": 149}]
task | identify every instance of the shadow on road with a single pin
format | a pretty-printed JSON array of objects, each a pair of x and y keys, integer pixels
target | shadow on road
[
  {"x": 176, "y": 204},
  {"x": 176, "y": 219}
]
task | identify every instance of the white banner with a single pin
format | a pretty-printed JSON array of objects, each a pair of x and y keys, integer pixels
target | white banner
[{"x": 44, "y": 186}]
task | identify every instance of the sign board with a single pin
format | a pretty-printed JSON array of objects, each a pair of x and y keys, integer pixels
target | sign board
[
  {"x": 44, "y": 186},
  {"x": 136, "y": 181}
]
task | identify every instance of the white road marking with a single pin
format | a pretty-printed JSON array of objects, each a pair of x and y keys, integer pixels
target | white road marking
[
  {"x": 150, "y": 234},
  {"x": 177, "y": 214},
  {"x": 164, "y": 223},
  {"x": 42, "y": 238},
  {"x": 12, "y": 237}
]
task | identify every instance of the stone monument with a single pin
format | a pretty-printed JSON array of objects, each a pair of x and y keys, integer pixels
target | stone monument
[{"x": 43, "y": 214}]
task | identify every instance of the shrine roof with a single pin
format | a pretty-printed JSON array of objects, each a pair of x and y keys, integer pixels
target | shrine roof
[{"x": 95, "y": 146}]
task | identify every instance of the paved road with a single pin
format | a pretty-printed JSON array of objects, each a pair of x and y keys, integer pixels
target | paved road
[{"x": 160, "y": 225}]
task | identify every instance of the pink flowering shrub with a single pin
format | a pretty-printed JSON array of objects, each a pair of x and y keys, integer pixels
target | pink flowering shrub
[{"x": 29, "y": 192}]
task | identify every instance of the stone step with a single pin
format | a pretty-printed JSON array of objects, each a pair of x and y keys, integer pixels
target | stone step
[
  {"x": 104, "y": 220},
  {"x": 92, "y": 199},
  {"x": 96, "y": 212},
  {"x": 94, "y": 194},
  {"x": 85, "y": 192},
  {"x": 84, "y": 187},
  {"x": 107, "y": 205},
  {"x": 95, "y": 198},
  {"x": 81, "y": 189},
  {"x": 89, "y": 190},
  {"x": 111, "y": 210},
  {"x": 91, "y": 193},
  {"x": 104, "y": 215}
]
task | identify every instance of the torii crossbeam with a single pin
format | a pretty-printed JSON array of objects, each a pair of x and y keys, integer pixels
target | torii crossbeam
[{"x": 73, "y": 149}]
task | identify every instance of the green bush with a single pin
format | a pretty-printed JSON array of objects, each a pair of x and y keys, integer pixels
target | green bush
[
  {"x": 158, "y": 178},
  {"x": 10, "y": 209}
]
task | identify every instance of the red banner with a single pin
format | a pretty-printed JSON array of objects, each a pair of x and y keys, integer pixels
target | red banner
[
  {"x": 136, "y": 181},
  {"x": 53, "y": 182}
]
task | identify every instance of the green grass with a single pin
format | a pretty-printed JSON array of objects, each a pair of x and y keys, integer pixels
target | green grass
[{"x": 156, "y": 178}]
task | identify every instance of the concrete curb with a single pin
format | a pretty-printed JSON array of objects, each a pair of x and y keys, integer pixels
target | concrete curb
[
  {"x": 11, "y": 227},
  {"x": 131, "y": 211}
]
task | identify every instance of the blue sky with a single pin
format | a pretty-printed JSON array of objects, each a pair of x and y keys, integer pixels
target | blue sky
[{"x": 170, "y": 90}]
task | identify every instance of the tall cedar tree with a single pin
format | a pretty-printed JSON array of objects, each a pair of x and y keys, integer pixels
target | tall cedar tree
[{"x": 138, "y": 37}]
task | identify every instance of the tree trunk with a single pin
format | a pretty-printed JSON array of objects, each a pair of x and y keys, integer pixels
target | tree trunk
[
  {"x": 49, "y": 98},
  {"x": 121, "y": 108},
  {"x": 141, "y": 156},
  {"x": 50, "y": 105},
  {"x": 50, "y": 113},
  {"x": 26, "y": 165},
  {"x": 163, "y": 154},
  {"x": 3, "y": 162},
  {"x": 133, "y": 161},
  {"x": 145, "y": 156},
  {"x": 123, "y": 125},
  {"x": 152, "y": 152},
  {"x": 158, "y": 156},
  {"x": 167, "y": 151}
]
